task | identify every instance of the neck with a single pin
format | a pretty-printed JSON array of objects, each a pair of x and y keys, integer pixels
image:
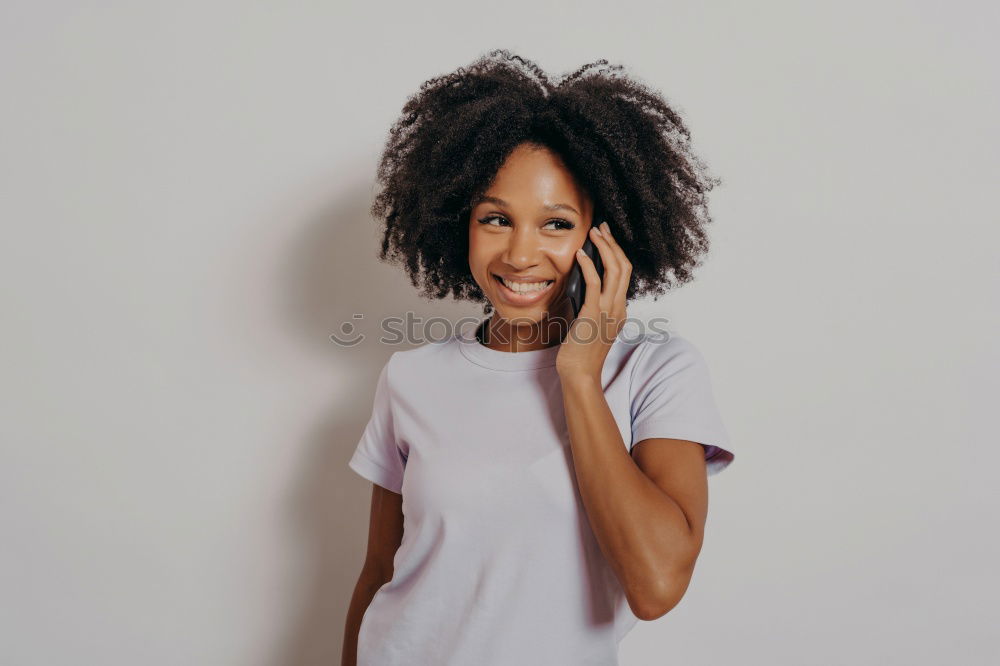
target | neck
[{"x": 500, "y": 334}]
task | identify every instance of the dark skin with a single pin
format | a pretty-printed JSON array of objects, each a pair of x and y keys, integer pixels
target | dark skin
[
  {"x": 647, "y": 510},
  {"x": 514, "y": 233}
]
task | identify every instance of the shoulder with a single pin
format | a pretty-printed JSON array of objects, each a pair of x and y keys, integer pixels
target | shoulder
[
  {"x": 418, "y": 361},
  {"x": 428, "y": 352},
  {"x": 659, "y": 352}
]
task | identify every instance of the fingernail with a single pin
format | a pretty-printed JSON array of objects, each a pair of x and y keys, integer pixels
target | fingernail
[
  {"x": 606, "y": 227},
  {"x": 597, "y": 230}
]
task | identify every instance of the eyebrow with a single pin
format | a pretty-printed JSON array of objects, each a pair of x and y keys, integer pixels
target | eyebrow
[{"x": 500, "y": 202}]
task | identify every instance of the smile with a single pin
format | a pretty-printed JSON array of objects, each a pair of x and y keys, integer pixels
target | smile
[{"x": 517, "y": 293}]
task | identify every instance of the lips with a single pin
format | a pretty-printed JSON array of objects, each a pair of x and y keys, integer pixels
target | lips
[
  {"x": 514, "y": 298},
  {"x": 528, "y": 279}
]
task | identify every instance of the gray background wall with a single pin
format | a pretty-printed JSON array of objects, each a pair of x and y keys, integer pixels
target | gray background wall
[{"x": 184, "y": 202}]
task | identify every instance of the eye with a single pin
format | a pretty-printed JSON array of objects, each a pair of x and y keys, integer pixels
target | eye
[
  {"x": 485, "y": 220},
  {"x": 561, "y": 223},
  {"x": 566, "y": 224}
]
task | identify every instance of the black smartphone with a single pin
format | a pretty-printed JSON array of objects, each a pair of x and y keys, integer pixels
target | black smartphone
[{"x": 576, "y": 286}]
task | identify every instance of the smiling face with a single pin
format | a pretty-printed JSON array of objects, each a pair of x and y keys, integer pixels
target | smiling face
[{"x": 527, "y": 228}]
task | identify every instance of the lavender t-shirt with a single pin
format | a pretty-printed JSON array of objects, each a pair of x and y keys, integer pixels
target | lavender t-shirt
[{"x": 498, "y": 565}]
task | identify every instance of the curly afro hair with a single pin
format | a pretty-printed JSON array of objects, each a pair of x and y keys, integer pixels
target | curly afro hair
[{"x": 620, "y": 140}]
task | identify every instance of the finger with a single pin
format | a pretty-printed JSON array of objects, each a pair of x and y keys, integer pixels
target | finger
[
  {"x": 625, "y": 265},
  {"x": 592, "y": 280},
  {"x": 612, "y": 269},
  {"x": 616, "y": 248}
]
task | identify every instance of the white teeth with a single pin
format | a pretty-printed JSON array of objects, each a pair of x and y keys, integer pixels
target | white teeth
[{"x": 524, "y": 287}]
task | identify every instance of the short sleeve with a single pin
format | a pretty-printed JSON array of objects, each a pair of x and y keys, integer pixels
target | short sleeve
[
  {"x": 378, "y": 457},
  {"x": 672, "y": 397}
]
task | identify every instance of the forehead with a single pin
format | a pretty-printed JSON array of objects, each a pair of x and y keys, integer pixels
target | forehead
[{"x": 536, "y": 176}]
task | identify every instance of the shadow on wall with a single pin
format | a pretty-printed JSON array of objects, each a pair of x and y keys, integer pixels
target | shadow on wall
[{"x": 330, "y": 275}]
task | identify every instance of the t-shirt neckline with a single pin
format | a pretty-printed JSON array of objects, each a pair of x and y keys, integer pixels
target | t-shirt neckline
[{"x": 493, "y": 359}]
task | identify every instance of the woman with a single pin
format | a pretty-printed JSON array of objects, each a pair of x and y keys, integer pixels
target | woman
[{"x": 537, "y": 487}]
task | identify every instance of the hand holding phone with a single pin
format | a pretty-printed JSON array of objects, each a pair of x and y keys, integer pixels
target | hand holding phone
[{"x": 576, "y": 285}]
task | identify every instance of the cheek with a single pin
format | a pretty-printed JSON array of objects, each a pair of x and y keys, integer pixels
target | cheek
[
  {"x": 563, "y": 256},
  {"x": 475, "y": 246},
  {"x": 479, "y": 257}
]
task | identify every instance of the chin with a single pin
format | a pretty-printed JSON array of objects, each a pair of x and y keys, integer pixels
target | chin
[{"x": 533, "y": 314}]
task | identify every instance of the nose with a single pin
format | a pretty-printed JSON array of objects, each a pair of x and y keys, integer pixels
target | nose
[{"x": 522, "y": 249}]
